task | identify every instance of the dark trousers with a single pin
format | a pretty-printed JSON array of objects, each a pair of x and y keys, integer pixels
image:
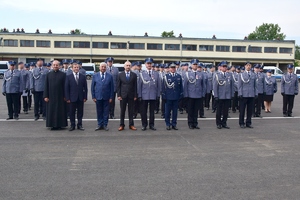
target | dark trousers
[
  {"x": 207, "y": 99},
  {"x": 12, "y": 101},
  {"x": 257, "y": 104},
  {"x": 193, "y": 107},
  {"x": 112, "y": 106},
  {"x": 144, "y": 111},
  {"x": 288, "y": 104},
  {"x": 78, "y": 105},
  {"x": 39, "y": 104},
  {"x": 163, "y": 104},
  {"x": 235, "y": 102},
  {"x": 102, "y": 107},
  {"x": 157, "y": 102},
  {"x": 25, "y": 103},
  {"x": 182, "y": 104},
  {"x": 137, "y": 107},
  {"x": 201, "y": 107},
  {"x": 171, "y": 105},
  {"x": 29, "y": 100},
  {"x": 124, "y": 102},
  {"x": 214, "y": 103},
  {"x": 246, "y": 102},
  {"x": 222, "y": 110}
]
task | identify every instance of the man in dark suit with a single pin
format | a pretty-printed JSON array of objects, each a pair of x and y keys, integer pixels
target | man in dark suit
[
  {"x": 102, "y": 89},
  {"x": 76, "y": 95},
  {"x": 127, "y": 94}
]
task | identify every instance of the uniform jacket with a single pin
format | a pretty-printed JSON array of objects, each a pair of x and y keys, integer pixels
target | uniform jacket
[
  {"x": 82, "y": 71},
  {"x": 247, "y": 85},
  {"x": 12, "y": 82},
  {"x": 74, "y": 91},
  {"x": 38, "y": 78},
  {"x": 223, "y": 86},
  {"x": 271, "y": 85},
  {"x": 102, "y": 89},
  {"x": 68, "y": 71},
  {"x": 235, "y": 77},
  {"x": 172, "y": 87},
  {"x": 261, "y": 83},
  {"x": 114, "y": 71},
  {"x": 127, "y": 88},
  {"x": 289, "y": 84},
  {"x": 25, "y": 79},
  {"x": 194, "y": 85},
  {"x": 209, "y": 84},
  {"x": 149, "y": 87}
]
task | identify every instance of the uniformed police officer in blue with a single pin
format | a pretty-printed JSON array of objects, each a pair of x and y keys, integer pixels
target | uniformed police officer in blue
[
  {"x": 172, "y": 91},
  {"x": 12, "y": 88},
  {"x": 114, "y": 71},
  {"x": 150, "y": 87},
  {"x": 183, "y": 101},
  {"x": 223, "y": 87},
  {"x": 261, "y": 89},
  {"x": 247, "y": 91},
  {"x": 37, "y": 86},
  {"x": 194, "y": 89},
  {"x": 289, "y": 88},
  {"x": 201, "y": 108},
  {"x": 136, "y": 69},
  {"x": 271, "y": 88},
  {"x": 25, "y": 87},
  {"x": 163, "y": 100}
]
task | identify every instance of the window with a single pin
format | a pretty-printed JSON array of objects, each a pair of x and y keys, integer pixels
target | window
[
  {"x": 42, "y": 43},
  {"x": 26, "y": 43},
  {"x": 238, "y": 48},
  {"x": 77, "y": 44},
  {"x": 3, "y": 66},
  {"x": 62, "y": 44},
  {"x": 189, "y": 47},
  {"x": 223, "y": 48},
  {"x": 115, "y": 45},
  {"x": 154, "y": 46},
  {"x": 11, "y": 43},
  {"x": 254, "y": 49},
  {"x": 285, "y": 50},
  {"x": 100, "y": 45},
  {"x": 270, "y": 49},
  {"x": 206, "y": 48},
  {"x": 136, "y": 46},
  {"x": 172, "y": 47}
]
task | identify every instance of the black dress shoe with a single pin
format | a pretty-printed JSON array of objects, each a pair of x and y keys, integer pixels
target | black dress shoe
[
  {"x": 9, "y": 118},
  {"x": 156, "y": 112},
  {"x": 249, "y": 126},
  {"x": 153, "y": 128},
  {"x": 72, "y": 128},
  {"x": 16, "y": 118},
  {"x": 175, "y": 128},
  {"x": 26, "y": 112},
  {"x": 99, "y": 128},
  {"x": 213, "y": 111},
  {"x": 202, "y": 116},
  {"x": 80, "y": 128},
  {"x": 225, "y": 126},
  {"x": 191, "y": 127},
  {"x": 37, "y": 118},
  {"x": 181, "y": 112},
  {"x": 168, "y": 128},
  {"x": 290, "y": 115},
  {"x": 162, "y": 116},
  {"x": 105, "y": 128},
  {"x": 219, "y": 126},
  {"x": 196, "y": 127},
  {"x": 144, "y": 128},
  {"x": 54, "y": 128},
  {"x": 242, "y": 126}
]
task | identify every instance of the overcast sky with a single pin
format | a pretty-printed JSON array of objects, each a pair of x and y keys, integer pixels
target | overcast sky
[{"x": 227, "y": 19}]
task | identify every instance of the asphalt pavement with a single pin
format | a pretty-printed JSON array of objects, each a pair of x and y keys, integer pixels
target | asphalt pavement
[{"x": 259, "y": 163}]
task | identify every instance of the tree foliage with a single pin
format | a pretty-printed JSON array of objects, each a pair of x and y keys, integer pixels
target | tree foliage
[
  {"x": 267, "y": 32},
  {"x": 76, "y": 32},
  {"x": 297, "y": 52},
  {"x": 167, "y": 34}
]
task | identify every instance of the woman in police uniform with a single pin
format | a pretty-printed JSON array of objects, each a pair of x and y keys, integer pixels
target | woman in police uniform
[{"x": 271, "y": 88}]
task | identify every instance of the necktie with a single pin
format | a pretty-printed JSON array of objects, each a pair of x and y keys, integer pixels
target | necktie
[
  {"x": 110, "y": 69},
  {"x": 224, "y": 74},
  {"x": 195, "y": 73},
  {"x": 150, "y": 73},
  {"x": 290, "y": 75},
  {"x": 127, "y": 76},
  {"x": 249, "y": 74},
  {"x": 12, "y": 71},
  {"x": 102, "y": 76},
  {"x": 173, "y": 74},
  {"x": 76, "y": 76},
  {"x": 40, "y": 68}
]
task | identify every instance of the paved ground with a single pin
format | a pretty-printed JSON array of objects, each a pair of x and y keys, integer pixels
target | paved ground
[{"x": 262, "y": 163}]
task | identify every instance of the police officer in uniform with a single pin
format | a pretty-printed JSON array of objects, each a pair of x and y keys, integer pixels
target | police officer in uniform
[
  {"x": 114, "y": 71},
  {"x": 172, "y": 91},
  {"x": 209, "y": 86},
  {"x": 194, "y": 89},
  {"x": 289, "y": 88},
  {"x": 235, "y": 77},
  {"x": 183, "y": 101},
  {"x": 223, "y": 93},
  {"x": 136, "y": 68},
  {"x": 247, "y": 92},
  {"x": 37, "y": 86},
  {"x": 201, "y": 108},
  {"x": 81, "y": 70},
  {"x": 163, "y": 100},
  {"x": 12, "y": 88},
  {"x": 261, "y": 89},
  {"x": 150, "y": 87},
  {"x": 66, "y": 68},
  {"x": 25, "y": 87}
]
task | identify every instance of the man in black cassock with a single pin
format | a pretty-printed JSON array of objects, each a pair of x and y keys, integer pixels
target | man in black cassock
[{"x": 54, "y": 96}]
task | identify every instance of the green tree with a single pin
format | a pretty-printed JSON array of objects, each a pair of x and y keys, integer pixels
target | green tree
[
  {"x": 76, "y": 32},
  {"x": 297, "y": 52},
  {"x": 267, "y": 32},
  {"x": 167, "y": 34}
]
